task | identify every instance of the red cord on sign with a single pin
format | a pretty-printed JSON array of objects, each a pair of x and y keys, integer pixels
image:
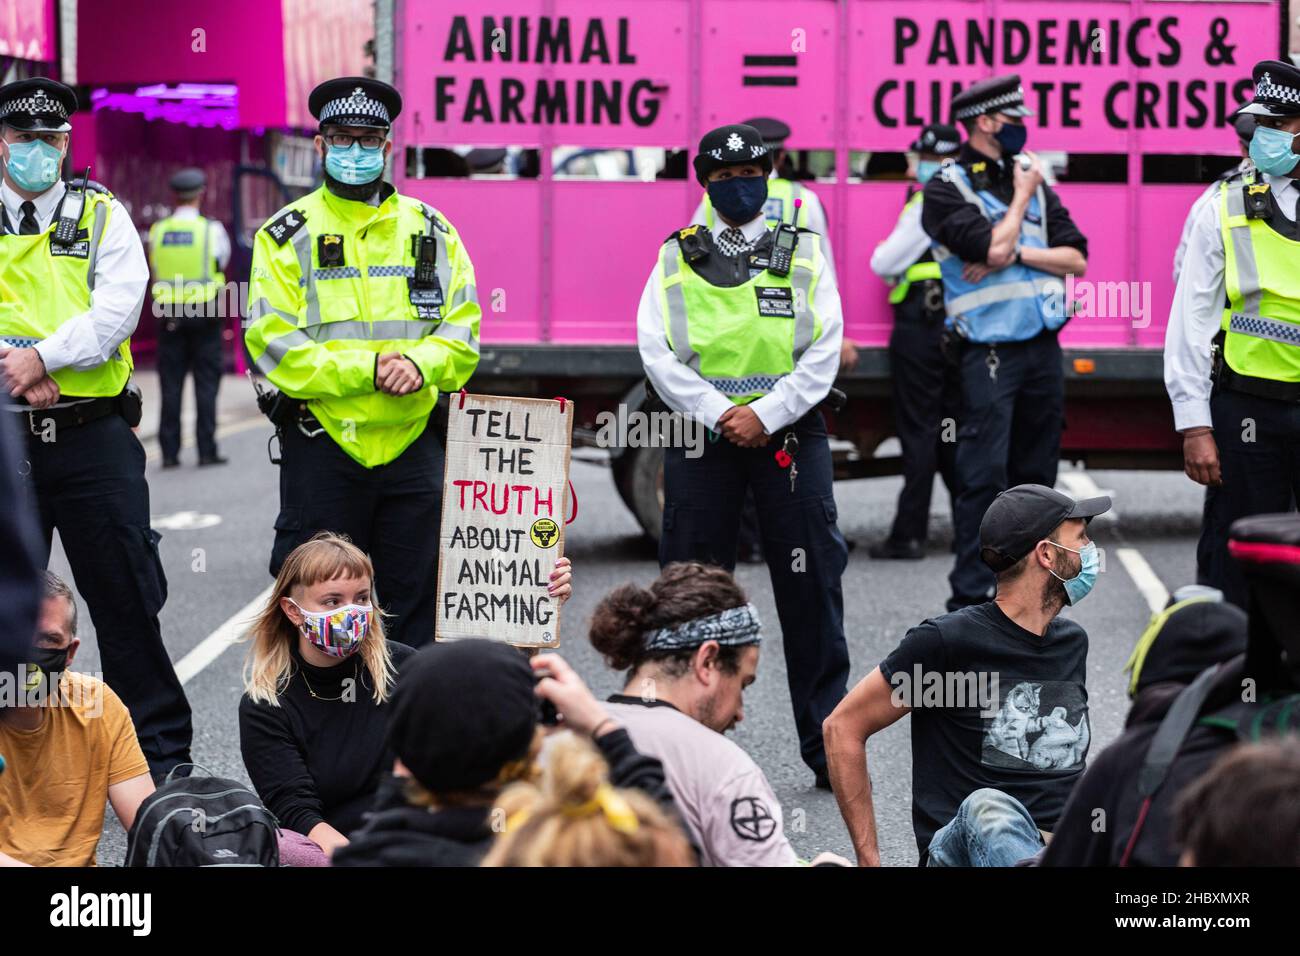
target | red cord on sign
[
  {"x": 561, "y": 400},
  {"x": 462, "y": 399},
  {"x": 574, "y": 494}
]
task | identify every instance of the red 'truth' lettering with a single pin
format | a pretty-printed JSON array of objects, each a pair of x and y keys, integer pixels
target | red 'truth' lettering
[{"x": 489, "y": 496}]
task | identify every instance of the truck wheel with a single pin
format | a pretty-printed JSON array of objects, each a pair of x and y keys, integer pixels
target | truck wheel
[{"x": 641, "y": 484}]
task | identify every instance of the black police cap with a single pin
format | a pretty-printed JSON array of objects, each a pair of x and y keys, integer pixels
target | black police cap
[
  {"x": 485, "y": 159},
  {"x": 773, "y": 131},
  {"x": 1277, "y": 90},
  {"x": 998, "y": 94},
  {"x": 941, "y": 139},
  {"x": 355, "y": 101},
  {"x": 37, "y": 105},
  {"x": 188, "y": 180},
  {"x": 733, "y": 145},
  {"x": 1022, "y": 516}
]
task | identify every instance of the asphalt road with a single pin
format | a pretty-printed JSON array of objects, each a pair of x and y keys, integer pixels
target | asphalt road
[{"x": 217, "y": 530}]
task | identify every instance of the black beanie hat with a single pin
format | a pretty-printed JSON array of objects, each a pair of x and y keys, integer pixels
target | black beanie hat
[{"x": 461, "y": 711}]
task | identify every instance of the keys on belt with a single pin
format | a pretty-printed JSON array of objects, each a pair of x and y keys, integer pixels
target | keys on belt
[{"x": 785, "y": 456}]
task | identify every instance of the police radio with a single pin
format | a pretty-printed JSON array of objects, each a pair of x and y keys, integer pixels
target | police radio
[
  {"x": 425, "y": 251},
  {"x": 70, "y": 210},
  {"x": 783, "y": 244}
]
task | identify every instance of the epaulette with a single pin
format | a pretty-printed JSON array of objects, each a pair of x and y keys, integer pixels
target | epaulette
[{"x": 282, "y": 228}]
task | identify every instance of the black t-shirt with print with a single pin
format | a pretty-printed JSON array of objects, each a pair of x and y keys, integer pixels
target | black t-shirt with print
[{"x": 994, "y": 705}]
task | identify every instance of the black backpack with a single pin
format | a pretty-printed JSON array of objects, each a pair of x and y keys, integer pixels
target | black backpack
[{"x": 203, "y": 821}]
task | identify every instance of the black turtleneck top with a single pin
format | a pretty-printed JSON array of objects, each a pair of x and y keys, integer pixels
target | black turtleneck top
[{"x": 313, "y": 758}]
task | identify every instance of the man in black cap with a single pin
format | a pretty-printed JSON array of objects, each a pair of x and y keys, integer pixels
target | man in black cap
[
  {"x": 1003, "y": 242},
  {"x": 1232, "y": 346},
  {"x": 925, "y": 385},
  {"x": 739, "y": 330},
  {"x": 996, "y": 692},
  {"x": 187, "y": 253},
  {"x": 363, "y": 308},
  {"x": 464, "y": 725},
  {"x": 74, "y": 276}
]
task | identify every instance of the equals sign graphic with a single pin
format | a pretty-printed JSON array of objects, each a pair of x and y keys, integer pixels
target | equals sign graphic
[{"x": 769, "y": 79}]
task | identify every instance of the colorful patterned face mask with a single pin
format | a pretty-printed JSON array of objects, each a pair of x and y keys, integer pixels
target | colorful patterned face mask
[{"x": 338, "y": 632}]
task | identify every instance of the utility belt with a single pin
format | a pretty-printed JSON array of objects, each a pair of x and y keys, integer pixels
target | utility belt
[
  {"x": 129, "y": 403},
  {"x": 923, "y": 303},
  {"x": 1225, "y": 379}
]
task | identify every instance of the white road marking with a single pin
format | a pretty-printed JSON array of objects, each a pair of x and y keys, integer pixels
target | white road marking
[
  {"x": 1079, "y": 484},
  {"x": 1146, "y": 580},
  {"x": 215, "y": 644}
]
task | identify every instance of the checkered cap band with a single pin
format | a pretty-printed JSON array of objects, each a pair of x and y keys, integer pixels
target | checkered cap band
[
  {"x": 1014, "y": 97},
  {"x": 355, "y": 104},
  {"x": 1268, "y": 91},
  {"x": 38, "y": 103}
]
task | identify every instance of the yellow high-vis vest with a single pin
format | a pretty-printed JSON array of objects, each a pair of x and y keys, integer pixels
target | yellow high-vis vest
[{"x": 183, "y": 265}]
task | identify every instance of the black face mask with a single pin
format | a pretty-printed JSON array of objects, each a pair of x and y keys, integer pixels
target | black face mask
[{"x": 41, "y": 663}]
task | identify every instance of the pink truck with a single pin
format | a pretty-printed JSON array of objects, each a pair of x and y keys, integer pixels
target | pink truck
[{"x": 595, "y": 100}]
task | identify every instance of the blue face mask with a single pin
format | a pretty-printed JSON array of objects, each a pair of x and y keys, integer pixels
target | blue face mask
[
  {"x": 34, "y": 166},
  {"x": 1270, "y": 151},
  {"x": 1011, "y": 137},
  {"x": 740, "y": 198},
  {"x": 1077, "y": 587},
  {"x": 355, "y": 165},
  {"x": 925, "y": 170}
]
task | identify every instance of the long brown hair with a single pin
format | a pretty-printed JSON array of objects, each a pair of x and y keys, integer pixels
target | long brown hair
[{"x": 269, "y": 663}]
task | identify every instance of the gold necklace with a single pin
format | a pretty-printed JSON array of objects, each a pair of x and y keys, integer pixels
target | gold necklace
[{"x": 317, "y": 696}]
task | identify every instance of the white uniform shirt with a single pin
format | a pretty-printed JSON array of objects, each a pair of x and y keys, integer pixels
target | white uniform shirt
[
  {"x": 725, "y": 800},
  {"x": 1211, "y": 191},
  {"x": 218, "y": 239},
  {"x": 816, "y": 220},
  {"x": 684, "y": 391},
  {"x": 121, "y": 279},
  {"x": 902, "y": 247},
  {"x": 1197, "y": 312}
]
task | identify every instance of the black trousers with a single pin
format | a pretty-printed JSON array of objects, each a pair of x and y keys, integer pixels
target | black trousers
[
  {"x": 806, "y": 554},
  {"x": 1009, "y": 434},
  {"x": 927, "y": 390},
  {"x": 185, "y": 346},
  {"x": 392, "y": 512},
  {"x": 89, "y": 484},
  {"x": 1259, "y": 458}
]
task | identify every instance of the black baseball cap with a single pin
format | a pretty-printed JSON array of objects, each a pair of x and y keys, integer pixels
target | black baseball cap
[
  {"x": 461, "y": 711},
  {"x": 1022, "y": 516}
]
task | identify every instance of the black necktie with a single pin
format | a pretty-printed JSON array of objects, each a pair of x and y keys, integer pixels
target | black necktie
[{"x": 28, "y": 227}]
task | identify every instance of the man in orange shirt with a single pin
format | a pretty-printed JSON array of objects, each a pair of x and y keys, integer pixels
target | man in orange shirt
[{"x": 69, "y": 745}]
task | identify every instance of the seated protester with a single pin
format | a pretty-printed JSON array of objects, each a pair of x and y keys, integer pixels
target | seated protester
[
  {"x": 572, "y": 816},
  {"x": 70, "y": 746},
  {"x": 1244, "y": 812},
  {"x": 690, "y": 648},
  {"x": 464, "y": 725},
  {"x": 1195, "y": 631},
  {"x": 318, "y": 680},
  {"x": 995, "y": 757}
]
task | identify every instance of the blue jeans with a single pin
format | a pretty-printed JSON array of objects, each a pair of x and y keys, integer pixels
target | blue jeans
[{"x": 991, "y": 828}]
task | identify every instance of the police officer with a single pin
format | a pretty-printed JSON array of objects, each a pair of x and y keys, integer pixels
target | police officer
[
  {"x": 1232, "y": 346},
  {"x": 187, "y": 253},
  {"x": 1002, "y": 239},
  {"x": 72, "y": 279},
  {"x": 739, "y": 329},
  {"x": 924, "y": 383},
  {"x": 362, "y": 309}
]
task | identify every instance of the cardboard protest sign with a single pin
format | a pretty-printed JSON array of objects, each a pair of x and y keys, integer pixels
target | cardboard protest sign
[{"x": 503, "y": 508}]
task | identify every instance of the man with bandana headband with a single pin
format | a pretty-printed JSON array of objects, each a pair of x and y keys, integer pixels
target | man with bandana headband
[{"x": 363, "y": 308}]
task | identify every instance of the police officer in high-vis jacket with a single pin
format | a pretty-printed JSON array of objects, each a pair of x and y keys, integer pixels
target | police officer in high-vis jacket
[
  {"x": 72, "y": 278},
  {"x": 739, "y": 330},
  {"x": 924, "y": 382},
  {"x": 187, "y": 252},
  {"x": 1232, "y": 346},
  {"x": 362, "y": 308},
  {"x": 1003, "y": 242}
]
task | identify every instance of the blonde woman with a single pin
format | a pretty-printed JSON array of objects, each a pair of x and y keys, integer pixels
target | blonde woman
[{"x": 317, "y": 684}]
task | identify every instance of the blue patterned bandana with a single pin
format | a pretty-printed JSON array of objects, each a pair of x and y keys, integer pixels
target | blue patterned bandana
[{"x": 733, "y": 627}]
